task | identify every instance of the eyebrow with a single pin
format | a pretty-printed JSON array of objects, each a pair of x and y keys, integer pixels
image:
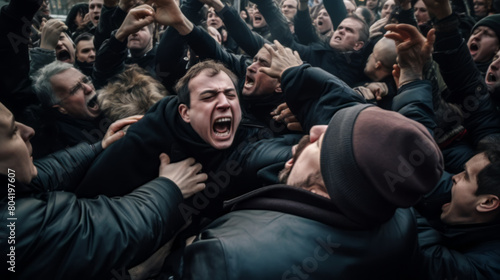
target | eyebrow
[{"x": 215, "y": 91}]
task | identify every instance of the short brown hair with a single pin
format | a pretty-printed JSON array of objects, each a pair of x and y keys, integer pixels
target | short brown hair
[
  {"x": 130, "y": 93},
  {"x": 216, "y": 67}
]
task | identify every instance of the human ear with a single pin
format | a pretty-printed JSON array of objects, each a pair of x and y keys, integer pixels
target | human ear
[
  {"x": 358, "y": 45},
  {"x": 184, "y": 112},
  {"x": 60, "y": 109},
  {"x": 488, "y": 203}
]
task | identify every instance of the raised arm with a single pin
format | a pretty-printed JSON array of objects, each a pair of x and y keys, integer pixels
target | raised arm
[
  {"x": 112, "y": 54},
  {"x": 15, "y": 85},
  {"x": 248, "y": 41}
]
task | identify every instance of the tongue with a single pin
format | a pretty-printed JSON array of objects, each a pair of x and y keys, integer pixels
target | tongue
[{"x": 221, "y": 127}]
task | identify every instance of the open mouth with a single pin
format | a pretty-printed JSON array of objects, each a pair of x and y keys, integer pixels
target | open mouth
[
  {"x": 222, "y": 127},
  {"x": 320, "y": 22},
  {"x": 249, "y": 82},
  {"x": 491, "y": 78},
  {"x": 474, "y": 47},
  {"x": 92, "y": 104},
  {"x": 96, "y": 18},
  {"x": 64, "y": 56},
  {"x": 337, "y": 38},
  {"x": 257, "y": 18}
]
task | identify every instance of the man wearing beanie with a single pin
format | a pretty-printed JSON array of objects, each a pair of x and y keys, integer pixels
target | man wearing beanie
[
  {"x": 484, "y": 41},
  {"x": 340, "y": 214}
]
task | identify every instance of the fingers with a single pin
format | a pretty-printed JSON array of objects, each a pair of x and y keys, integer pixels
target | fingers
[
  {"x": 411, "y": 30},
  {"x": 119, "y": 124},
  {"x": 297, "y": 56},
  {"x": 431, "y": 38},
  {"x": 164, "y": 159},
  {"x": 270, "y": 50},
  {"x": 280, "y": 108}
]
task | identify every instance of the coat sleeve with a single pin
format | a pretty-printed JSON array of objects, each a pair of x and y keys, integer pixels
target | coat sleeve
[
  {"x": 304, "y": 29},
  {"x": 170, "y": 64},
  {"x": 111, "y": 19},
  {"x": 206, "y": 47},
  {"x": 109, "y": 61},
  {"x": 314, "y": 95},
  {"x": 414, "y": 101},
  {"x": 249, "y": 41},
  {"x": 15, "y": 85},
  {"x": 89, "y": 238},
  {"x": 63, "y": 170}
]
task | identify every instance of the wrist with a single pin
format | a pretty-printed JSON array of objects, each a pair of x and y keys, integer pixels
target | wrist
[
  {"x": 217, "y": 5},
  {"x": 184, "y": 27},
  {"x": 407, "y": 77},
  {"x": 46, "y": 46},
  {"x": 120, "y": 35}
]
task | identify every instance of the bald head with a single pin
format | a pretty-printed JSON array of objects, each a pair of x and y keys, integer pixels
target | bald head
[{"x": 380, "y": 62}]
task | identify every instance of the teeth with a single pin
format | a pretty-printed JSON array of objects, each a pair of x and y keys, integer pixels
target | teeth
[
  {"x": 223, "y": 120},
  {"x": 222, "y": 134}
]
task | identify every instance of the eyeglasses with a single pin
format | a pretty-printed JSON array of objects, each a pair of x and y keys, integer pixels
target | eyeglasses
[
  {"x": 85, "y": 80},
  {"x": 79, "y": 86}
]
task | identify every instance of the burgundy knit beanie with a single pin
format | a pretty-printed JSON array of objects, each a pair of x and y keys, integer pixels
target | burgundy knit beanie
[{"x": 374, "y": 161}]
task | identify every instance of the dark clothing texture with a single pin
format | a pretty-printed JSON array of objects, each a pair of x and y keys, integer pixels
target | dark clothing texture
[
  {"x": 347, "y": 65},
  {"x": 111, "y": 19},
  {"x": 326, "y": 94},
  {"x": 84, "y": 67},
  {"x": 112, "y": 58},
  {"x": 280, "y": 232},
  {"x": 61, "y": 237},
  {"x": 231, "y": 171},
  {"x": 466, "y": 86},
  {"x": 56, "y": 131},
  {"x": 458, "y": 252},
  {"x": 15, "y": 87}
]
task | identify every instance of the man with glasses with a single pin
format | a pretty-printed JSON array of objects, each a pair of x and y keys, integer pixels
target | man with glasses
[{"x": 69, "y": 112}]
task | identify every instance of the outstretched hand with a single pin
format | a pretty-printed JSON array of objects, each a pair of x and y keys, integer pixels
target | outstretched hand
[
  {"x": 413, "y": 49},
  {"x": 168, "y": 13},
  {"x": 115, "y": 131},
  {"x": 185, "y": 174},
  {"x": 136, "y": 19},
  {"x": 281, "y": 59}
]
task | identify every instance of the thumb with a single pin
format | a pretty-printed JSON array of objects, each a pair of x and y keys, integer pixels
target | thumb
[{"x": 164, "y": 159}]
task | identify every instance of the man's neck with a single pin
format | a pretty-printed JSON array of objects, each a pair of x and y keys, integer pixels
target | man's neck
[{"x": 140, "y": 53}]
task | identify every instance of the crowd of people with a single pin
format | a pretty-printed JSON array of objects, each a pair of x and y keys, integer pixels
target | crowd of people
[{"x": 213, "y": 139}]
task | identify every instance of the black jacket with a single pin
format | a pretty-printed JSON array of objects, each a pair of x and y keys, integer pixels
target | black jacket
[
  {"x": 58, "y": 236},
  {"x": 134, "y": 160},
  {"x": 280, "y": 232},
  {"x": 458, "y": 252}
]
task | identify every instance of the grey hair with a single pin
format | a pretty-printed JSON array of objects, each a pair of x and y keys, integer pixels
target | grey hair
[{"x": 41, "y": 82}]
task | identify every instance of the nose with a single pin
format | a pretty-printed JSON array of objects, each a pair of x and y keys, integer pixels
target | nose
[
  {"x": 26, "y": 132},
  {"x": 253, "y": 67},
  {"x": 222, "y": 102},
  {"x": 495, "y": 64}
]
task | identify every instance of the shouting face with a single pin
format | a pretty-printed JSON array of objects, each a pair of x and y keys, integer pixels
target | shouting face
[{"x": 214, "y": 111}]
